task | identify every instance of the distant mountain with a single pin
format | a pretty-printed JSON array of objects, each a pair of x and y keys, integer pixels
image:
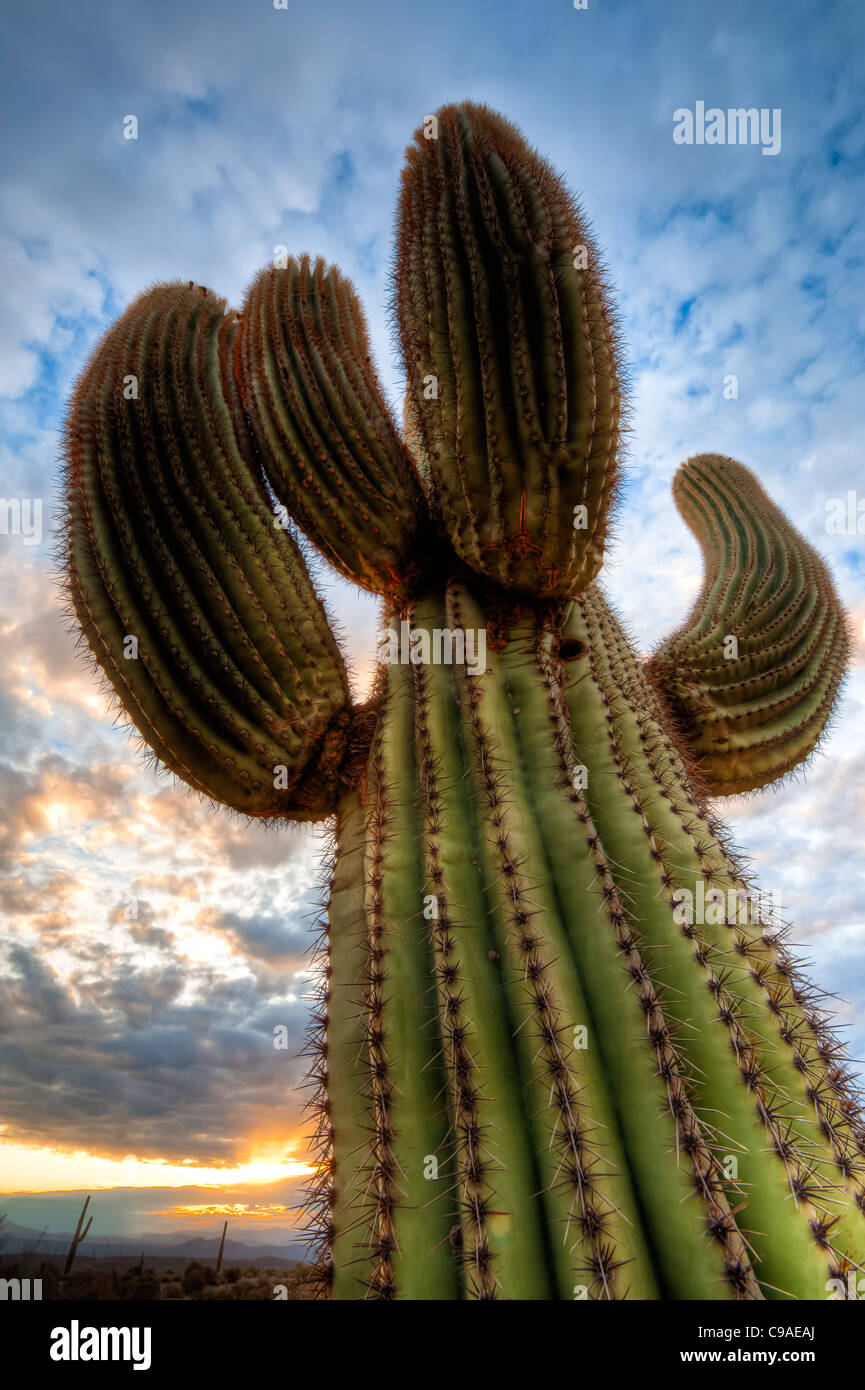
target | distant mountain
[{"x": 22, "y": 1240}]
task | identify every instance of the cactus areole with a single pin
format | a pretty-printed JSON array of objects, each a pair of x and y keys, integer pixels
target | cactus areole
[{"x": 559, "y": 1051}]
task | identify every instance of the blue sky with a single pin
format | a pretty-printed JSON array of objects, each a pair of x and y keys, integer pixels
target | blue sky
[{"x": 260, "y": 127}]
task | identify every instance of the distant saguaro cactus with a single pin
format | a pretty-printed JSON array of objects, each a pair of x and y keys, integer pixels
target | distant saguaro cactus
[
  {"x": 560, "y": 1051},
  {"x": 78, "y": 1237}
]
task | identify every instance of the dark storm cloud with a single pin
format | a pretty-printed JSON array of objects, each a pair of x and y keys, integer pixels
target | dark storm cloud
[
  {"x": 188, "y": 1081},
  {"x": 267, "y": 937}
]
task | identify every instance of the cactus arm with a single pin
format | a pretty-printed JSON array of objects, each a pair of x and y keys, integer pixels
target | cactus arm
[
  {"x": 171, "y": 542},
  {"x": 750, "y": 719},
  {"x": 327, "y": 439},
  {"x": 496, "y": 307}
]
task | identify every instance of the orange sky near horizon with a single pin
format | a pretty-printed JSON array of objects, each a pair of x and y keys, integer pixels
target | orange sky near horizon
[
  {"x": 247, "y": 1211},
  {"x": 29, "y": 1168}
]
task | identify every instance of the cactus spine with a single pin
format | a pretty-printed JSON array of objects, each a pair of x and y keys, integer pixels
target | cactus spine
[{"x": 541, "y": 1071}]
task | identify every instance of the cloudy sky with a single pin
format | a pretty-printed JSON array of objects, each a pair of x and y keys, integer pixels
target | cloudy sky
[{"x": 148, "y": 946}]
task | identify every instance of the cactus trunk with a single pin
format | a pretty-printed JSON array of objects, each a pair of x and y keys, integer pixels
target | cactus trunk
[{"x": 543, "y": 1080}]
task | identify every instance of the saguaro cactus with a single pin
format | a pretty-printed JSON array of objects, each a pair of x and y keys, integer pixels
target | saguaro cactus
[
  {"x": 78, "y": 1237},
  {"x": 560, "y": 1050}
]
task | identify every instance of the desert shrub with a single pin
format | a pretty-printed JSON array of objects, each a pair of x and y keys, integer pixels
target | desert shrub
[
  {"x": 89, "y": 1285},
  {"x": 171, "y": 1289},
  {"x": 196, "y": 1277},
  {"x": 50, "y": 1276},
  {"x": 258, "y": 1288},
  {"x": 218, "y": 1292},
  {"x": 139, "y": 1285}
]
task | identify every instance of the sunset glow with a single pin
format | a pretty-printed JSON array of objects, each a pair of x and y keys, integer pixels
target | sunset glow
[
  {"x": 25, "y": 1169},
  {"x": 248, "y": 1210}
]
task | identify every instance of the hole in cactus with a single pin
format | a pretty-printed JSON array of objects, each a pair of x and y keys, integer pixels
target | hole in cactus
[{"x": 570, "y": 648}]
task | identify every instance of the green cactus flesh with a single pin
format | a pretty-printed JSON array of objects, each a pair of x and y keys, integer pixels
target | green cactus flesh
[
  {"x": 560, "y": 1049},
  {"x": 755, "y": 717},
  {"x": 537, "y": 1073}
]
